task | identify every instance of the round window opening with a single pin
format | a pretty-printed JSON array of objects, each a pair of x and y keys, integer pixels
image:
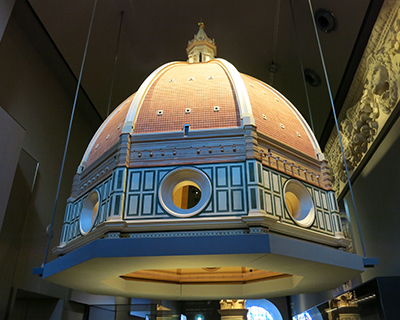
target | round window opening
[
  {"x": 299, "y": 203},
  {"x": 90, "y": 208},
  {"x": 185, "y": 192}
]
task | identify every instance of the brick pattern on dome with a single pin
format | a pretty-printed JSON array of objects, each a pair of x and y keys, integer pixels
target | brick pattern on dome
[
  {"x": 199, "y": 87},
  {"x": 275, "y": 118},
  {"x": 110, "y": 132}
]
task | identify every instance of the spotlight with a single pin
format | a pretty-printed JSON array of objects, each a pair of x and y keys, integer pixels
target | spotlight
[
  {"x": 312, "y": 77},
  {"x": 325, "y": 20},
  {"x": 273, "y": 68}
]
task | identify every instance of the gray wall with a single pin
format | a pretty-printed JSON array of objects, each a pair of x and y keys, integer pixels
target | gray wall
[
  {"x": 377, "y": 198},
  {"x": 31, "y": 93}
]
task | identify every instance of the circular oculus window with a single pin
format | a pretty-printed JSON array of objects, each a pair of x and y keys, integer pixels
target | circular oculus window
[
  {"x": 299, "y": 203},
  {"x": 90, "y": 208},
  {"x": 185, "y": 192}
]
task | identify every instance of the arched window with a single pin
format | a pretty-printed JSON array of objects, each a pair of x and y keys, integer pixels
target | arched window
[
  {"x": 262, "y": 309},
  {"x": 258, "y": 313}
]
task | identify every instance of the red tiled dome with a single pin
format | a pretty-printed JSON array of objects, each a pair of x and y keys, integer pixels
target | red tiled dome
[
  {"x": 207, "y": 95},
  {"x": 276, "y": 117},
  {"x": 198, "y": 87},
  {"x": 108, "y": 133}
]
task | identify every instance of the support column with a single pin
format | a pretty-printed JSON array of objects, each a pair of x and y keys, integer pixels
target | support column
[
  {"x": 122, "y": 308},
  {"x": 163, "y": 313},
  {"x": 233, "y": 310}
]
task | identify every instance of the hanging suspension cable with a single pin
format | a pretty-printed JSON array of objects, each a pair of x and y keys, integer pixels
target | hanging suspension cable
[
  {"x": 337, "y": 127},
  {"x": 68, "y": 135},
  {"x": 115, "y": 64},
  {"x": 296, "y": 36},
  {"x": 275, "y": 40}
]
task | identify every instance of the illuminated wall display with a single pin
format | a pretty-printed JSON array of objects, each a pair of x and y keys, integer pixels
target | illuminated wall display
[
  {"x": 303, "y": 316},
  {"x": 262, "y": 309},
  {"x": 258, "y": 313}
]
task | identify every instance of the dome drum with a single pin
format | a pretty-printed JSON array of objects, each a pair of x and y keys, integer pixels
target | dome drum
[{"x": 234, "y": 195}]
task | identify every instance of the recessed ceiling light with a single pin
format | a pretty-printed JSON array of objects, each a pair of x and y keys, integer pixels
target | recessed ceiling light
[
  {"x": 312, "y": 77},
  {"x": 273, "y": 68},
  {"x": 325, "y": 20}
]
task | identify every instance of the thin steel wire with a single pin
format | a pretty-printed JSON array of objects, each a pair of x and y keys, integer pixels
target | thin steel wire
[
  {"x": 115, "y": 64},
  {"x": 69, "y": 133},
  {"x": 337, "y": 127},
  {"x": 296, "y": 36},
  {"x": 275, "y": 39}
]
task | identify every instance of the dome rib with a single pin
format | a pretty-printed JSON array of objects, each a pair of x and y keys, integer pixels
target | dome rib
[
  {"x": 189, "y": 94},
  {"x": 246, "y": 113},
  {"x": 129, "y": 125},
  {"x": 282, "y": 120},
  {"x": 89, "y": 156}
]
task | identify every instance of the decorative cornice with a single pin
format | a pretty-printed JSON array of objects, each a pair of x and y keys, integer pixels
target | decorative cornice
[
  {"x": 290, "y": 161},
  {"x": 371, "y": 99},
  {"x": 198, "y": 227},
  {"x": 201, "y": 146},
  {"x": 233, "y": 304}
]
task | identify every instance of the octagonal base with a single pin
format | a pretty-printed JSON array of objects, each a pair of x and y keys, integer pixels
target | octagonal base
[{"x": 98, "y": 267}]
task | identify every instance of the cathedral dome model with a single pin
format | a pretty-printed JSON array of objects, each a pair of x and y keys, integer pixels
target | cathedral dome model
[{"x": 205, "y": 183}]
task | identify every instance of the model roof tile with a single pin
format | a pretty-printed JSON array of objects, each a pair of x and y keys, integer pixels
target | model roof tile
[
  {"x": 278, "y": 111},
  {"x": 192, "y": 89}
]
